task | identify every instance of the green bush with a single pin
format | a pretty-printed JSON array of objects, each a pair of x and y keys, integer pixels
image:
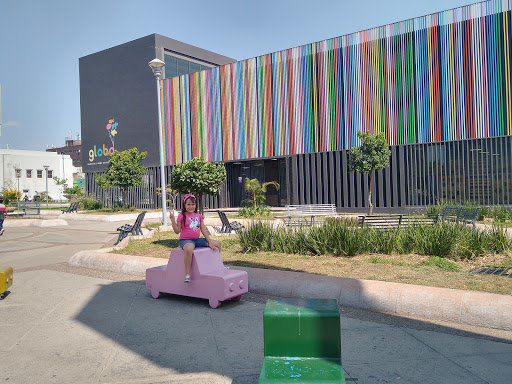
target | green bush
[
  {"x": 10, "y": 195},
  {"x": 450, "y": 240},
  {"x": 258, "y": 211},
  {"x": 90, "y": 203}
]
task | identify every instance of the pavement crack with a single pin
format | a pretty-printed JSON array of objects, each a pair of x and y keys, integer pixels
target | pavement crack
[
  {"x": 226, "y": 369},
  {"x": 116, "y": 339}
]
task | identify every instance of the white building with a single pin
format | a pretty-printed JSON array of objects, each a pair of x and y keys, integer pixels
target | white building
[{"x": 25, "y": 171}]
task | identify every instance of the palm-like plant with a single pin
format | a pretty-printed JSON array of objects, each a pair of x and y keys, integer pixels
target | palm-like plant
[{"x": 258, "y": 190}]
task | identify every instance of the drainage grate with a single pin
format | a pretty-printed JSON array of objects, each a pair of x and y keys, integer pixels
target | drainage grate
[{"x": 498, "y": 271}]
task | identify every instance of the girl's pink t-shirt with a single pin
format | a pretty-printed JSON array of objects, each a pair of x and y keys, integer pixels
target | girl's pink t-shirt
[{"x": 190, "y": 230}]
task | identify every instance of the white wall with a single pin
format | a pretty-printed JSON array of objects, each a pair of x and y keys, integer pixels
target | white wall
[{"x": 60, "y": 165}]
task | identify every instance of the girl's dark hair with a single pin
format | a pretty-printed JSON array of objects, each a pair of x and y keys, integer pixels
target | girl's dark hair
[{"x": 184, "y": 210}]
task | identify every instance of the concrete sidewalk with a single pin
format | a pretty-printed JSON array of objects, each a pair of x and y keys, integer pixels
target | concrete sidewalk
[
  {"x": 453, "y": 305},
  {"x": 63, "y": 324},
  {"x": 63, "y": 327}
]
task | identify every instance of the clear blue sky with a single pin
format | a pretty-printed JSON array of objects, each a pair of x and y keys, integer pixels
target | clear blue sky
[{"x": 41, "y": 42}]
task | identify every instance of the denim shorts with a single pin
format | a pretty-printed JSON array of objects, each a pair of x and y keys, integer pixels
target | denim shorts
[{"x": 201, "y": 242}]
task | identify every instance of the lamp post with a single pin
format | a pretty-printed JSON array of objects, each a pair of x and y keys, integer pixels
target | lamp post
[
  {"x": 46, "y": 177},
  {"x": 18, "y": 175},
  {"x": 157, "y": 66}
]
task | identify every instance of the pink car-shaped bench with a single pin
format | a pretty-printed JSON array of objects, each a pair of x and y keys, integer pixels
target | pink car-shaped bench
[{"x": 209, "y": 279}]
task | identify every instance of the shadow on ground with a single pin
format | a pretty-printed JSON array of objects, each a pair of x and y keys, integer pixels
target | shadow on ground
[{"x": 177, "y": 335}]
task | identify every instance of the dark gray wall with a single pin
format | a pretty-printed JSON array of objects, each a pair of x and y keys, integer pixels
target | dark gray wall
[
  {"x": 118, "y": 84},
  {"x": 479, "y": 170}
]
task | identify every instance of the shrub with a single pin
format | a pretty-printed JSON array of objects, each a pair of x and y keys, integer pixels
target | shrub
[
  {"x": 10, "y": 195},
  {"x": 90, "y": 203},
  {"x": 259, "y": 211},
  {"x": 447, "y": 240}
]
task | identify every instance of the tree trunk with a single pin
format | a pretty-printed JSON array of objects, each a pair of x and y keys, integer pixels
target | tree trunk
[
  {"x": 370, "y": 176},
  {"x": 199, "y": 203},
  {"x": 124, "y": 193}
]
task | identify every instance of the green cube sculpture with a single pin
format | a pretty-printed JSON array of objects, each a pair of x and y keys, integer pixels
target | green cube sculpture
[{"x": 302, "y": 342}]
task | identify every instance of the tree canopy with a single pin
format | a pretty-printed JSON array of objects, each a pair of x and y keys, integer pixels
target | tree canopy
[
  {"x": 124, "y": 170},
  {"x": 199, "y": 177},
  {"x": 372, "y": 155}
]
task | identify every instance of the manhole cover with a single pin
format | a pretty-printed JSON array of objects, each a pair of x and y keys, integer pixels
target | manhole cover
[{"x": 498, "y": 271}]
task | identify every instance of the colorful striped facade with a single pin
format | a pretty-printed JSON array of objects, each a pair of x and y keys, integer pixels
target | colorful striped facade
[{"x": 439, "y": 77}]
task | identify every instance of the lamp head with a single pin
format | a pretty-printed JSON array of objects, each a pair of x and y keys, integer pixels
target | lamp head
[{"x": 156, "y": 65}]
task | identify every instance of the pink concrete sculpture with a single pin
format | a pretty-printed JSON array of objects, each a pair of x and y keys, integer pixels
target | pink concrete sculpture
[{"x": 209, "y": 279}]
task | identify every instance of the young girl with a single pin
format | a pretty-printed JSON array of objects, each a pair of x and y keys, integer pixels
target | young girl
[{"x": 190, "y": 223}]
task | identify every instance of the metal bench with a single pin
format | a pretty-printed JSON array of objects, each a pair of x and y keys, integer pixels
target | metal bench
[
  {"x": 73, "y": 207},
  {"x": 134, "y": 229},
  {"x": 468, "y": 215},
  {"x": 462, "y": 215},
  {"x": 381, "y": 221},
  {"x": 302, "y": 342},
  {"x": 396, "y": 221},
  {"x": 227, "y": 226},
  {"x": 29, "y": 208},
  {"x": 299, "y": 214},
  {"x": 450, "y": 213}
]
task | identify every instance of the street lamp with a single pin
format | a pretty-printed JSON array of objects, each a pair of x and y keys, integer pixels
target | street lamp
[
  {"x": 157, "y": 66},
  {"x": 18, "y": 175},
  {"x": 46, "y": 169}
]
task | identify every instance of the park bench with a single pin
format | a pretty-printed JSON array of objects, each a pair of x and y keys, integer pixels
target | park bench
[
  {"x": 134, "y": 229},
  {"x": 395, "y": 221},
  {"x": 73, "y": 207},
  {"x": 306, "y": 214},
  {"x": 302, "y": 342},
  {"x": 450, "y": 213},
  {"x": 462, "y": 215},
  {"x": 227, "y": 226},
  {"x": 209, "y": 279},
  {"x": 381, "y": 221},
  {"x": 468, "y": 215},
  {"x": 29, "y": 208}
]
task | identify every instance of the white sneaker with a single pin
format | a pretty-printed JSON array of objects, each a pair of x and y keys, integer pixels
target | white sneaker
[
  {"x": 187, "y": 278},
  {"x": 1, "y": 232}
]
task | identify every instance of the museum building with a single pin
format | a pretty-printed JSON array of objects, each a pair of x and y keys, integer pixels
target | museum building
[{"x": 437, "y": 86}]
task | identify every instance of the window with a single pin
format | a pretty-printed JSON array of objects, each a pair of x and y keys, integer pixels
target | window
[
  {"x": 29, "y": 173},
  {"x": 39, "y": 174},
  {"x": 177, "y": 65},
  {"x": 183, "y": 68},
  {"x": 50, "y": 174}
]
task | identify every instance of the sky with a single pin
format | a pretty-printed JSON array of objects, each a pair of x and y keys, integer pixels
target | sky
[{"x": 41, "y": 42}]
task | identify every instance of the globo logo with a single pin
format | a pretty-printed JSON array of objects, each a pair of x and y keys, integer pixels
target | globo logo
[
  {"x": 105, "y": 151},
  {"x": 99, "y": 152}
]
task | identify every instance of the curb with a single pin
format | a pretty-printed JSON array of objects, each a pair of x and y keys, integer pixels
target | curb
[
  {"x": 481, "y": 309},
  {"x": 34, "y": 223}
]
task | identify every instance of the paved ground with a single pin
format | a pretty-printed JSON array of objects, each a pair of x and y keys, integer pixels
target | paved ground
[{"x": 61, "y": 324}]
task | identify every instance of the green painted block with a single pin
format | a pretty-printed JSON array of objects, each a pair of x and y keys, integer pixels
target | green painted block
[
  {"x": 302, "y": 328},
  {"x": 280, "y": 370}
]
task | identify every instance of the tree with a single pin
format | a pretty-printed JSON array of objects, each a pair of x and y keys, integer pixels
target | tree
[
  {"x": 258, "y": 190},
  {"x": 69, "y": 193},
  {"x": 124, "y": 170},
  {"x": 372, "y": 155},
  {"x": 198, "y": 177},
  {"x": 10, "y": 194}
]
